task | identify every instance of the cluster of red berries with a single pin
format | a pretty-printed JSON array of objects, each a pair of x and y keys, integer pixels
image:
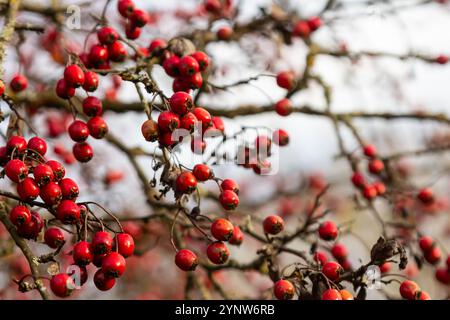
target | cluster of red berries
[
  {"x": 334, "y": 294},
  {"x": 136, "y": 18},
  {"x": 432, "y": 254},
  {"x": 376, "y": 167},
  {"x": 410, "y": 290},
  {"x": 304, "y": 28}
]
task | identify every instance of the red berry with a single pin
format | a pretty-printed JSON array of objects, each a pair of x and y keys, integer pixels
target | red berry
[
  {"x": 98, "y": 54},
  {"x": 379, "y": 187},
  {"x": 69, "y": 189},
  {"x": 202, "y": 60},
  {"x": 448, "y": 262},
  {"x": 301, "y": 29},
  {"x": 98, "y": 258},
  {"x": 82, "y": 253},
  {"x": 422, "y": 295},
  {"x": 139, "y": 18},
  {"x": 186, "y": 182},
  {"x": 31, "y": 229},
  {"x": 433, "y": 255},
  {"x": 54, "y": 237},
  {"x": 186, "y": 260},
  {"x": 20, "y": 215},
  {"x": 97, "y": 127},
  {"x": 188, "y": 121},
  {"x": 181, "y": 102},
  {"x": 222, "y": 229},
  {"x": 132, "y": 32},
  {"x": 180, "y": 84},
  {"x": 157, "y": 44},
  {"x": 284, "y": 107},
  {"x": 168, "y": 121},
  {"x": 16, "y": 170},
  {"x": 63, "y": 90},
  {"x": 443, "y": 275},
  {"x": 203, "y": 116},
  {"x": 2, "y": 87},
  {"x": 62, "y": 285},
  {"x": 82, "y": 151},
  {"x": 17, "y": 144},
  {"x": 202, "y": 172},
  {"x": 102, "y": 242},
  {"x": 409, "y": 289},
  {"x": 426, "y": 243},
  {"x": 376, "y": 166},
  {"x": 328, "y": 231},
  {"x": 170, "y": 66},
  {"x": 229, "y": 200},
  {"x": 18, "y": 83},
  {"x": 320, "y": 257},
  {"x": 331, "y": 294},
  {"x": 28, "y": 189},
  {"x": 102, "y": 282},
  {"x": 370, "y": 150},
  {"x": 43, "y": 174},
  {"x": 125, "y": 7},
  {"x": 149, "y": 130},
  {"x": 107, "y": 35},
  {"x": 426, "y": 195},
  {"x": 229, "y": 184},
  {"x": 92, "y": 106},
  {"x": 188, "y": 66},
  {"x": 238, "y": 236},
  {"x": 68, "y": 212},
  {"x": 218, "y": 124},
  {"x": 273, "y": 224},
  {"x": 280, "y": 137},
  {"x": 58, "y": 169},
  {"x": 217, "y": 252},
  {"x": 195, "y": 81},
  {"x": 37, "y": 144},
  {"x": 166, "y": 140},
  {"x": 370, "y": 192},
  {"x": 332, "y": 270},
  {"x": 385, "y": 267},
  {"x": 358, "y": 180},
  {"x": 78, "y": 131},
  {"x": 74, "y": 76},
  {"x": 283, "y": 290},
  {"x": 314, "y": 23},
  {"x": 117, "y": 51},
  {"x": 113, "y": 265},
  {"x": 286, "y": 80},
  {"x": 339, "y": 252},
  {"x": 91, "y": 81},
  {"x": 51, "y": 193},
  {"x": 125, "y": 244},
  {"x": 442, "y": 59},
  {"x": 224, "y": 33}
]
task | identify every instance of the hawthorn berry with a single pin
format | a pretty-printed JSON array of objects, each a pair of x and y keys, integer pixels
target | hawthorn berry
[
  {"x": 222, "y": 229},
  {"x": 91, "y": 81},
  {"x": 18, "y": 83},
  {"x": 301, "y": 29},
  {"x": 339, "y": 252},
  {"x": 166, "y": 140},
  {"x": 2, "y": 87},
  {"x": 92, "y": 106},
  {"x": 426, "y": 243},
  {"x": 442, "y": 59},
  {"x": 380, "y": 187},
  {"x": 181, "y": 102},
  {"x": 51, "y": 193},
  {"x": 54, "y": 237},
  {"x": 102, "y": 282},
  {"x": 43, "y": 174},
  {"x": 422, "y": 295},
  {"x": 125, "y": 244},
  {"x": 157, "y": 44},
  {"x": 202, "y": 172},
  {"x": 332, "y": 270},
  {"x": 68, "y": 212},
  {"x": 107, "y": 35},
  {"x": 370, "y": 150},
  {"x": 188, "y": 66},
  {"x": 443, "y": 275},
  {"x": 16, "y": 170},
  {"x": 132, "y": 32},
  {"x": 97, "y": 127},
  {"x": 170, "y": 66},
  {"x": 63, "y": 90},
  {"x": 217, "y": 252},
  {"x": 102, "y": 242},
  {"x": 229, "y": 200},
  {"x": 117, "y": 51},
  {"x": 273, "y": 224},
  {"x": 186, "y": 260},
  {"x": 188, "y": 121},
  {"x": 139, "y": 18},
  {"x": 98, "y": 54},
  {"x": 74, "y": 76},
  {"x": 69, "y": 189},
  {"x": 195, "y": 81},
  {"x": 331, "y": 294},
  {"x": 203, "y": 116},
  {"x": 58, "y": 169},
  {"x": 218, "y": 124},
  {"x": 433, "y": 255},
  {"x": 284, "y": 107},
  {"x": 370, "y": 192},
  {"x": 280, "y": 137},
  {"x": 168, "y": 121},
  {"x": 328, "y": 231},
  {"x": 180, "y": 84},
  {"x": 238, "y": 236},
  {"x": 283, "y": 290},
  {"x": 62, "y": 285},
  {"x": 82, "y": 151},
  {"x": 229, "y": 184},
  {"x": 286, "y": 80},
  {"x": 113, "y": 265},
  {"x": 346, "y": 295},
  {"x": 224, "y": 33},
  {"x": 202, "y": 60},
  {"x": 376, "y": 166},
  {"x": 20, "y": 215},
  {"x": 426, "y": 195},
  {"x": 38, "y": 145},
  {"x": 125, "y": 7},
  {"x": 31, "y": 229},
  {"x": 314, "y": 23},
  {"x": 16, "y": 144},
  {"x": 186, "y": 182},
  {"x": 358, "y": 179},
  {"x": 28, "y": 189},
  {"x": 82, "y": 253},
  {"x": 385, "y": 267},
  {"x": 149, "y": 130},
  {"x": 409, "y": 290},
  {"x": 320, "y": 257}
]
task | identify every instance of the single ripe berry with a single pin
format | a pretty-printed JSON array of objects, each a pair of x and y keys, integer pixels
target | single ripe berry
[
  {"x": 16, "y": 144},
  {"x": 113, "y": 265},
  {"x": 442, "y": 59},
  {"x": 107, "y": 35},
  {"x": 181, "y": 102},
  {"x": 218, "y": 124},
  {"x": 98, "y": 54},
  {"x": 91, "y": 81},
  {"x": 54, "y": 237},
  {"x": 222, "y": 229},
  {"x": 20, "y": 215},
  {"x": 92, "y": 106},
  {"x": 51, "y": 193},
  {"x": 426, "y": 243},
  {"x": 68, "y": 212},
  {"x": 43, "y": 174},
  {"x": 331, "y": 294},
  {"x": 224, "y": 33},
  {"x": 203, "y": 116},
  {"x": 370, "y": 150},
  {"x": 132, "y": 32},
  {"x": 102, "y": 282},
  {"x": 433, "y": 255},
  {"x": 358, "y": 179},
  {"x": 238, "y": 236},
  {"x": 125, "y": 244},
  {"x": 82, "y": 151},
  {"x": 18, "y": 83},
  {"x": 422, "y": 295},
  {"x": 409, "y": 289},
  {"x": 125, "y": 7},
  {"x": 283, "y": 290},
  {"x": 202, "y": 172},
  {"x": 62, "y": 285},
  {"x": 74, "y": 76},
  {"x": 443, "y": 275},
  {"x": 82, "y": 253},
  {"x": 229, "y": 184},
  {"x": 320, "y": 257},
  {"x": 38, "y": 145},
  {"x": 286, "y": 80},
  {"x": 149, "y": 130},
  {"x": 188, "y": 66},
  {"x": 186, "y": 182},
  {"x": 186, "y": 260},
  {"x": 202, "y": 60},
  {"x": 426, "y": 196},
  {"x": 217, "y": 252},
  {"x": 69, "y": 189},
  {"x": 188, "y": 121},
  {"x": 157, "y": 44},
  {"x": 284, "y": 107},
  {"x": 385, "y": 267},
  {"x": 332, "y": 270},
  {"x": 63, "y": 90},
  {"x": 168, "y": 121},
  {"x": 28, "y": 189},
  {"x": 339, "y": 252},
  {"x": 97, "y": 127},
  {"x": 117, "y": 51},
  {"x": 170, "y": 66},
  {"x": 58, "y": 169},
  {"x": 280, "y": 137},
  {"x": 31, "y": 229},
  {"x": 16, "y": 170},
  {"x": 328, "y": 231},
  {"x": 2, "y": 87},
  {"x": 180, "y": 84},
  {"x": 229, "y": 200},
  {"x": 139, "y": 18},
  {"x": 370, "y": 192},
  {"x": 273, "y": 224},
  {"x": 314, "y": 23},
  {"x": 301, "y": 29},
  {"x": 102, "y": 242},
  {"x": 376, "y": 166}
]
